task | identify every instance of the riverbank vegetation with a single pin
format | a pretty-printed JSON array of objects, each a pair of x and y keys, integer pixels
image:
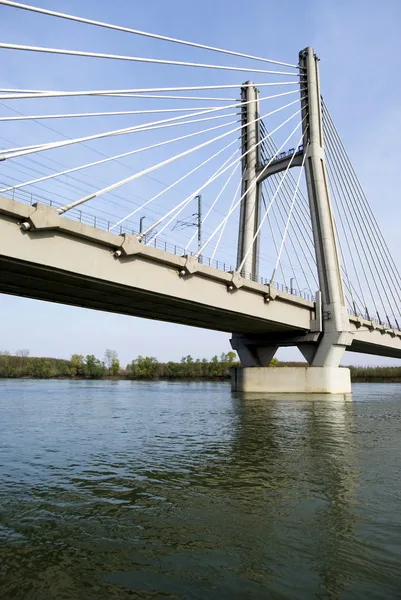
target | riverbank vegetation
[{"x": 22, "y": 365}]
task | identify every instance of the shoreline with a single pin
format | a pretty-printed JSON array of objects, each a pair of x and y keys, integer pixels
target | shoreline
[{"x": 179, "y": 379}]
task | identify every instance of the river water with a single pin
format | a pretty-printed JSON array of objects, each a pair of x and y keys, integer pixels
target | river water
[{"x": 114, "y": 490}]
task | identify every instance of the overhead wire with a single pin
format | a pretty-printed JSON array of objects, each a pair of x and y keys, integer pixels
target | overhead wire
[
  {"x": 218, "y": 196},
  {"x": 174, "y": 184}
]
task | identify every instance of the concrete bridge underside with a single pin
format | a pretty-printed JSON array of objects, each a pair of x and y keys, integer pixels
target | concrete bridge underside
[{"x": 75, "y": 264}]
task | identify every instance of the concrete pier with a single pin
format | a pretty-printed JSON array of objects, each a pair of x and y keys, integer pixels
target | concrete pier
[{"x": 286, "y": 380}]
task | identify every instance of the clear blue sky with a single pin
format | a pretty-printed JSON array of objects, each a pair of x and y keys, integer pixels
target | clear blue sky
[{"x": 359, "y": 46}]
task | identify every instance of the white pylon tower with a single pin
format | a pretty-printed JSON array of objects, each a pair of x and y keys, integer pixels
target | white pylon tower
[
  {"x": 335, "y": 321},
  {"x": 331, "y": 318},
  {"x": 250, "y": 205}
]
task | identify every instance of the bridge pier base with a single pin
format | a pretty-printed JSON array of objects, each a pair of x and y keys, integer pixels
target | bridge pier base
[{"x": 286, "y": 380}]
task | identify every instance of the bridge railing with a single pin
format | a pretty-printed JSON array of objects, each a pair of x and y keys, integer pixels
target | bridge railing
[
  {"x": 383, "y": 322},
  {"x": 106, "y": 225}
]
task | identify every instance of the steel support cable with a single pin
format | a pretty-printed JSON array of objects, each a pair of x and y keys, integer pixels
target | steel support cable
[
  {"x": 223, "y": 228},
  {"x": 66, "y": 187},
  {"x": 336, "y": 194},
  {"x": 363, "y": 197},
  {"x": 343, "y": 263},
  {"x": 388, "y": 261},
  {"x": 138, "y": 59},
  {"x": 117, "y": 156},
  {"x": 154, "y": 167},
  {"x": 278, "y": 207},
  {"x": 184, "y": 205},
  {"x": 270, "y": 147},
  {"x": 104, "y": 25},
  {"x": 303, "y": 213},
  {"x": 249, "y": 249},
  {"x": 300, "y": 228},
  {"x": 15, "y": 94},
  {"x": 274, "y": 241},
  {"x": 349, "y": 181},
  {"x": 15, "y": 153},
  {"x": 131, "y": 178},
  {"x": 338, "y": 197},
  {"x": 102, "y": 114},
  {"x": 291, "y": 266},
  {"x": 307, "y": 244},
  {"x": 289, "y": 217},
  {"x": 244, "y": 154},
  {"x": 119, "y": 198},
  {"x": 351, "y": 228},
  {"x": 125, "y": 112},
  {"x": 128, "y": 112},
  {"x": 303, "y": 226},
  {"x": 22, "y": 151},
  {"x": 344, "y": 267},
  {"x": 52, "y": 203},
  {"x": 358, "y": 297},
  {"x": 75, "y": 187},
  {"x": 172, "y": 185},
  {"x": 94, "y": 150},
  {"x": 367, "y": 239},
  {"x": 355, "y": 308},
  {"x": 108, "y": 200},
  {"x": 231, "y": 175},
  {"x": 256, "y": 180},
  {"x": 85, "y": 216},
  {"x": 388, "y": 272},
  {"x": 221, "y": 172},
  {"x": 137, "y": 96}
]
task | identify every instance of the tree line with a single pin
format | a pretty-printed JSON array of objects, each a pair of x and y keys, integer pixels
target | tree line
[{"x": 21, "y": 364}]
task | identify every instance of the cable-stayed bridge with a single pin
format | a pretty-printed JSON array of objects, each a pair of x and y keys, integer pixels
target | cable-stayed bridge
[{"x": 218, "y": 204}]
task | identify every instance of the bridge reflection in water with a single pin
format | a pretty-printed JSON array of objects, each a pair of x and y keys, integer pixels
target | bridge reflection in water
[{"x": 189, "y": 490}]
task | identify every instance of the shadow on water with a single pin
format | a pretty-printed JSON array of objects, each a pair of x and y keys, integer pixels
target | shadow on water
[{"x": 187, "y": 491}]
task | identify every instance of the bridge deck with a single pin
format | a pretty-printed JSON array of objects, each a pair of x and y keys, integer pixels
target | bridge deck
[{"x": 75, "y": 264}]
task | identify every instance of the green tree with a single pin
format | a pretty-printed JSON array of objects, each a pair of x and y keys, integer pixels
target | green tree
[
  {"x": 93, "y": 368},
  {"x": 188, "y": 368},
  {"x": 231, "y": 356},
  {"x": 143, "y": 367},
  {"x": 43, "y": 368},
  {"x": 215, "y": 367},
  {"x": 77, "y": 365},
  {"x": 115, "y": 367}
]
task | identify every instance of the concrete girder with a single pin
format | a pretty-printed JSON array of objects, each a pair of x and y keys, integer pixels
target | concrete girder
[{"x": 280, "y": 165}]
